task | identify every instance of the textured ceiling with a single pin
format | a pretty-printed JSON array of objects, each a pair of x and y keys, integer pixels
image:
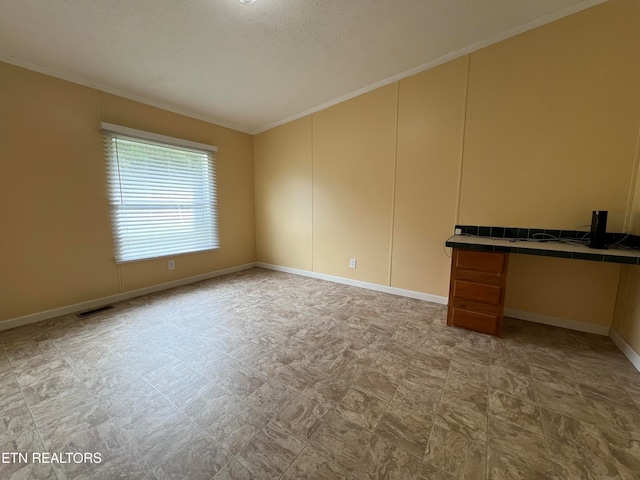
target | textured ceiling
[{"x": 252, "y": 67}]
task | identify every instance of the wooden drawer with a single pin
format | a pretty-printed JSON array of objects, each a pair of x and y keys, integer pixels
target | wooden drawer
[
  {"x": 476, "y": 291},
  {"x": 478, "y": 307},
  {"x": 475, "y": 321},
  {"x": 486, "y": 278},
  {"x": 480, "y": 261}
]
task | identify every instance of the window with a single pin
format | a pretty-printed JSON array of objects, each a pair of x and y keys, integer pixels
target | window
[{"x": 162, "y": 193}]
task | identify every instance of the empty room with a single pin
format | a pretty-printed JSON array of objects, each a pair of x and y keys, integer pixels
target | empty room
[{"x": 279, "y": 239}]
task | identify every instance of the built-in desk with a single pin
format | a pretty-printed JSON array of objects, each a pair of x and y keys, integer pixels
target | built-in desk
[
  {"x": 479, "y": 269},
  {"x": 544, "y": 248}
]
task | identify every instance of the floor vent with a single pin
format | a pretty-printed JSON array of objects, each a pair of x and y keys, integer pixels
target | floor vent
[{"x": 88, "y": 313}]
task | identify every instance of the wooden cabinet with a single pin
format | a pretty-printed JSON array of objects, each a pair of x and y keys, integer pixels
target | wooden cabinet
[{"x": 476, "y": 291}]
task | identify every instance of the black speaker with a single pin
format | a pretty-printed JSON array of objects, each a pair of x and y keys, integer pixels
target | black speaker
[{"x": 598, "y": 229}]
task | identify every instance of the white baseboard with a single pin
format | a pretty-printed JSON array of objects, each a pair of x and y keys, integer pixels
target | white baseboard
[
  {"x": 509, "y": 312},
  {"x": 357, "y": 283},
  {"x": 98, "y": 302},
  {"x": 557, "y": 322},
  {"x": 629, "y": 352},
  {"x": 519, "y": 314}
]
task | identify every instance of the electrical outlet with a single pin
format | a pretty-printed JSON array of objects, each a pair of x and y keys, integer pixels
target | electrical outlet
[
  {"x": 352, "y": 263},
  {"x": 171, "y": 264},
  {"x": 458, "y": 231}
]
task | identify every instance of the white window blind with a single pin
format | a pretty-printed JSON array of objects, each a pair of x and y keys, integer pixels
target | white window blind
[{"x": 162, "y": 195}]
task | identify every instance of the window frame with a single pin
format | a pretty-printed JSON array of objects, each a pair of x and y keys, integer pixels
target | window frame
[{"x": 119, "y": 213}]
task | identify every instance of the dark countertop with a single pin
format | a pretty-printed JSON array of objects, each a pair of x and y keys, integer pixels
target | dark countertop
[{"x": 547, "y": 248}]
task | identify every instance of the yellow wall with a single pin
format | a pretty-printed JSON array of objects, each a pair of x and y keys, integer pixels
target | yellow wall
[
  {"x": 536, "y": 131},
  {"x": 626, "y": 320},
  {"x": 552, "y": 121},
  {"x": 353, "y": 168},
  {"x": 628, "y": 308},
  {"x": 366, "y": 199},
  {"x": 577, "y": 290},
  {"x": 283, "y": 196},
  {"x": 430, "y": 126},
  {"x": 57, "y": 236}
]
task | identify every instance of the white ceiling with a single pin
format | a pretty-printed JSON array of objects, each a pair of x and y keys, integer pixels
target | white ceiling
[{"x": 253, "y": 67}]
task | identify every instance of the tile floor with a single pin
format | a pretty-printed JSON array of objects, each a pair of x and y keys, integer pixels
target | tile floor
[{"x": 265, "y": 375}]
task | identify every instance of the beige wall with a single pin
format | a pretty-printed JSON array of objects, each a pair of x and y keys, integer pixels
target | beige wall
[
  {"x": 353, "y": 169},
  {"x": 577, "y": 290},
  {"x": 430, "y": 126},
  {"x": 367, "y": 200},
  {"x": 552, "y": 121},
  {"x": 536, "y": 131},
  {"x": 627, "y": 323},
  {"x": 57, "y": 235},
  {"x": 283, "y": 185},
  {"x": 626, "y": 320}
]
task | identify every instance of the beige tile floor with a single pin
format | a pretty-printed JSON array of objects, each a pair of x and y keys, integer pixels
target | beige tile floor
[{"x": 265, "y": 375}]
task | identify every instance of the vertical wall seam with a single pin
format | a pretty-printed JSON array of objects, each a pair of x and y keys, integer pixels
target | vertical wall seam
[
  {"x": 313, "y": 121},
  {"x": 394, "y": 184},
  {"x": 255, "y": 205},
  {"x": 462, "y": 140}
]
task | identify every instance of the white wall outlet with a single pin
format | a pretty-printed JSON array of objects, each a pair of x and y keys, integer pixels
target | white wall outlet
[
  {"x": 171, "y": 264},
  {"x": 352, "y": 263},
  {"x": 458, "y": 231}
]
